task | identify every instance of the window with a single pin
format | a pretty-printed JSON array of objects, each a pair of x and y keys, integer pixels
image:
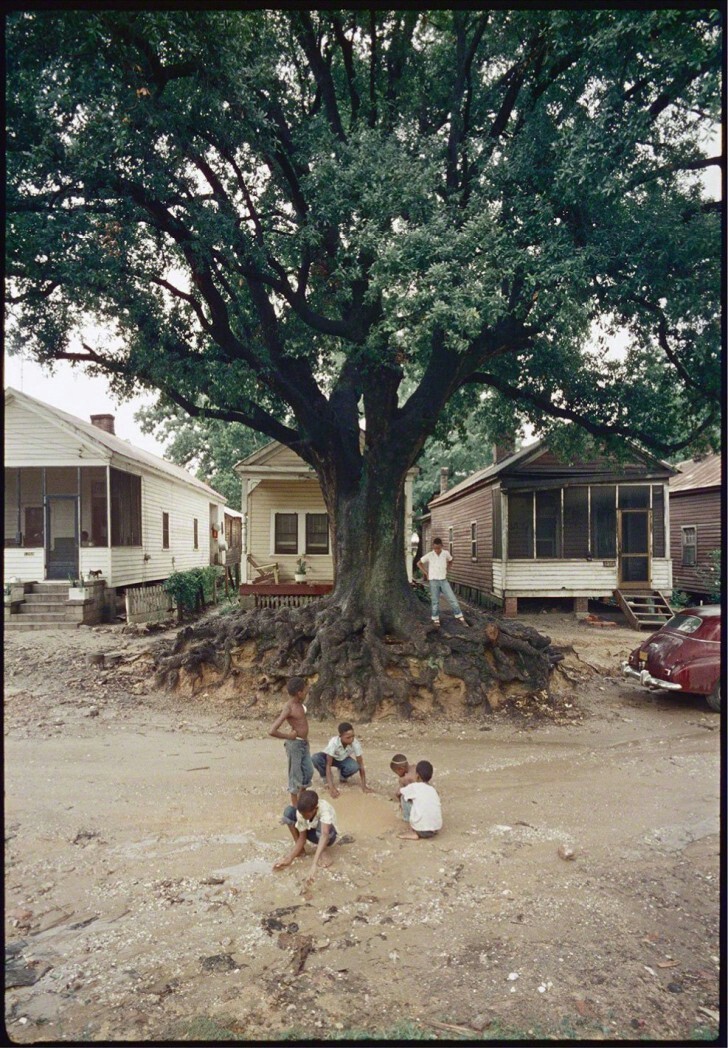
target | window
[
  {"x": 126, "y": 509},
  {"x": 603, "y": 521},
  {"x": 474, "y": 540},
  {"x": 576, "y": 522},
  {"x": 33, "y": 535},
  {"x": 165, "y": 531},
  {"x": 548, "y": 523},
  {"x": 195, "y": 534},
  {"x": 94, "y": 516},
  {"x": 520, "y": 526},
  {"x": 286, "y": 533},
  {"x": 634, "y": 496},
  {"x": 317, "y": 533},
  {"x": 450, "y": 540},
  {"x": 689, "y": 546}
]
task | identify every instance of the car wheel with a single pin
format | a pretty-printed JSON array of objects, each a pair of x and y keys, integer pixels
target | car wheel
[{"x": 714, "y": 699}]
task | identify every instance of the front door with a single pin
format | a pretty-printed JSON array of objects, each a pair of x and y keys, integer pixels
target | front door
[
  {"x": 61, "y": 536},
  {"x": 634, "y": 547}
]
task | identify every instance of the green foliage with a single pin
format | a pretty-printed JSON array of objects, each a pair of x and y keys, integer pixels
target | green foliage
[
  {"x": 710, "y": 574},
  {"x": 680, "y": 599},
  {"x": 191, "y": 589},
  {"x": 290, "y": 219}
]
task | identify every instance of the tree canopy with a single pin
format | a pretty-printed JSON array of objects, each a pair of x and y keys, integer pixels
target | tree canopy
[
  {"x": 302, "y": 220},
  {"x": 292, "y": 219}
]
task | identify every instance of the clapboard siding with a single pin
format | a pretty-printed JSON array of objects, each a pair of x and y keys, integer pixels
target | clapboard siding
[
  {"x": 572, "y": 578},
  {"x": 701, "y": 510},
  {"x": 159, "y": 496},
  {"x": 31, "y": 440},
  {"x": 459, "y": 515},
  {"x": 299, "y": 496}
]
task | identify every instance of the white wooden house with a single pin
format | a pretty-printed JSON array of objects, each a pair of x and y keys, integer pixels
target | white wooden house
[
  {"x": 285, "y": 518},
  {"x": 79, "y": 499}
]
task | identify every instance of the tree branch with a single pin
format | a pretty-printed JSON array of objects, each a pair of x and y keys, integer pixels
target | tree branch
[
  {"x": 321, "y": 72},
  {"x": 347, "y": 51},
  {"x": 598, "y": 429},
  {"x": 255, "y": 418}
]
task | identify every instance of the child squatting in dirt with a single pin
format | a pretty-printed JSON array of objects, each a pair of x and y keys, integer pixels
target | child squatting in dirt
[
  {"x": 421, "y": 805},
  {"x": 343, "y": 751},
  {"x": 312, "y": 820}
]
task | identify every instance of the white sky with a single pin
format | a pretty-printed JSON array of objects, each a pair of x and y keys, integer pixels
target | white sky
[{"x": 75, "y": 392}]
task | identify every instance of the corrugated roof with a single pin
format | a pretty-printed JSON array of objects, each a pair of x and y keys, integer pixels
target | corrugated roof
[
  {"x": 117, "y": 445},
  {"x": 697, "y": 473}
]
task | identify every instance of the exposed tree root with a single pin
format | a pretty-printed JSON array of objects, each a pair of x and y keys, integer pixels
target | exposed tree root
[{"x": 350, "y": 663}]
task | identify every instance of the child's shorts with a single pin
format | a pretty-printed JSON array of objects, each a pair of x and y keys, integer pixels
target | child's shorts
[
  {"x": 313, "y": 835},
  {"x": 425, "y": 834},
  {"x": 300, "y": 768}
]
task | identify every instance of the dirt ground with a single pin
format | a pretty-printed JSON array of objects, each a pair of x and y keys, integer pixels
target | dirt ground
[{"x": 141, "y": 827}]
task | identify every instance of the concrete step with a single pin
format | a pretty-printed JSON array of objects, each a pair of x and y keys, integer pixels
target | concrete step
[
  {"x": 43, "y": 611},
  {"x": 41, "y": 599},
  {"x": 36, "y": 624}
]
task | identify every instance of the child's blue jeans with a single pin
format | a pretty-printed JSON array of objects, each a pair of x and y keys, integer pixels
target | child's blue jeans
[
  {"x": 347, "y": 767},
  {"x": 438, "y": 586}
]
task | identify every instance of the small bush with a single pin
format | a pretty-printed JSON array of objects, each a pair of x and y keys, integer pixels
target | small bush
[{"x": 191, "y": 590}]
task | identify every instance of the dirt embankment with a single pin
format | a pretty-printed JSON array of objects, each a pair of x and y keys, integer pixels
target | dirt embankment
[{"x": 141, "y": 828}]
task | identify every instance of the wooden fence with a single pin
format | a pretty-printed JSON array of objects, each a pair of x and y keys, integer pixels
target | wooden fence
[{"x": 147, "y": 604}]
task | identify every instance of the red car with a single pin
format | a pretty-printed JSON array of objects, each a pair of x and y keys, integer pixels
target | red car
[{"x": 682, "y": 656}]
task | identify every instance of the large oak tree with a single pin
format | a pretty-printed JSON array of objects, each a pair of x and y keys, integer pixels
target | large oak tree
[{"x": 298, "y": 220}]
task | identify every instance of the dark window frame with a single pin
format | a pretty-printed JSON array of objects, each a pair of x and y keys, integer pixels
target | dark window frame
[
  {"x": 165, "y": 530},
  {"x": 685, "y": 546},
  {"x": 313, "y": 548},
  {"x": 281, "y": 545}
]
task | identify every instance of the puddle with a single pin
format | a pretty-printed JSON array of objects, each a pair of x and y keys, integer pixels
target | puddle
[
  {"x": 250, "y": 868},
  {"x": 152, "y": 846}
]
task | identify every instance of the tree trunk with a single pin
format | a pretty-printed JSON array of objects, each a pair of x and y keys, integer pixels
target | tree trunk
[
  {"x": 370, "y": 573},
  {"x": 370, "y": 643}
]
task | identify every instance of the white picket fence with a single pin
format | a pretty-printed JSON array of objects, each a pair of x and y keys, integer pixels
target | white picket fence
[{"x": 148, "y": 604}]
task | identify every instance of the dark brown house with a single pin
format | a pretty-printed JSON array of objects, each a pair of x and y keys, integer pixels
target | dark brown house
[
  {"x": 532, "y": 525},
  {"x": 695, "y": 516}
]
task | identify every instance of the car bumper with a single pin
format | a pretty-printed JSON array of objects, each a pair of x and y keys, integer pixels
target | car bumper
[{"x": 646, "y": 679}]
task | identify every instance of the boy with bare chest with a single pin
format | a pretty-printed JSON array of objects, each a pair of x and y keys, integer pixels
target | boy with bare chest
[{"x": 300, "y": 768}]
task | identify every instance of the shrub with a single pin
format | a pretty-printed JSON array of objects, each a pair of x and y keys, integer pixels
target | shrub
[{"x": 191, "y": 590}]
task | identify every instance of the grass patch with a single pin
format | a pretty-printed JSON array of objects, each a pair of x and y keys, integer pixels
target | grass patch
[
  {"x": 203, "y": 1029},
  {"x": 404, "y": 1031}
]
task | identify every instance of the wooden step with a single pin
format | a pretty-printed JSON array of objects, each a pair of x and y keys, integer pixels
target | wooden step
[{"x": 648, "y": 608}]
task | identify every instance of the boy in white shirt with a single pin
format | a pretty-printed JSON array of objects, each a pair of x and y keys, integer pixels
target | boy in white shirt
[
  {"x": 343, "y": 751},
  {"x": 434, "y": 567},
  {"x": 425, "y": 814},
  {"x": 312, "y": 820}
]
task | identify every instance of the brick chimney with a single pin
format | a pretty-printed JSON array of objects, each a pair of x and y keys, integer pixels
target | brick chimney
[
  {"x": 503, "y": 450},
  {"x": 105, "y": 422},
  {"x": 444, "y": 475}
]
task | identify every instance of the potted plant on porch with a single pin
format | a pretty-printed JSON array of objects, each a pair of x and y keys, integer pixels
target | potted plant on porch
[
  {"x": 299, "y": 574},
  {"x": 76, "y": 588}
]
